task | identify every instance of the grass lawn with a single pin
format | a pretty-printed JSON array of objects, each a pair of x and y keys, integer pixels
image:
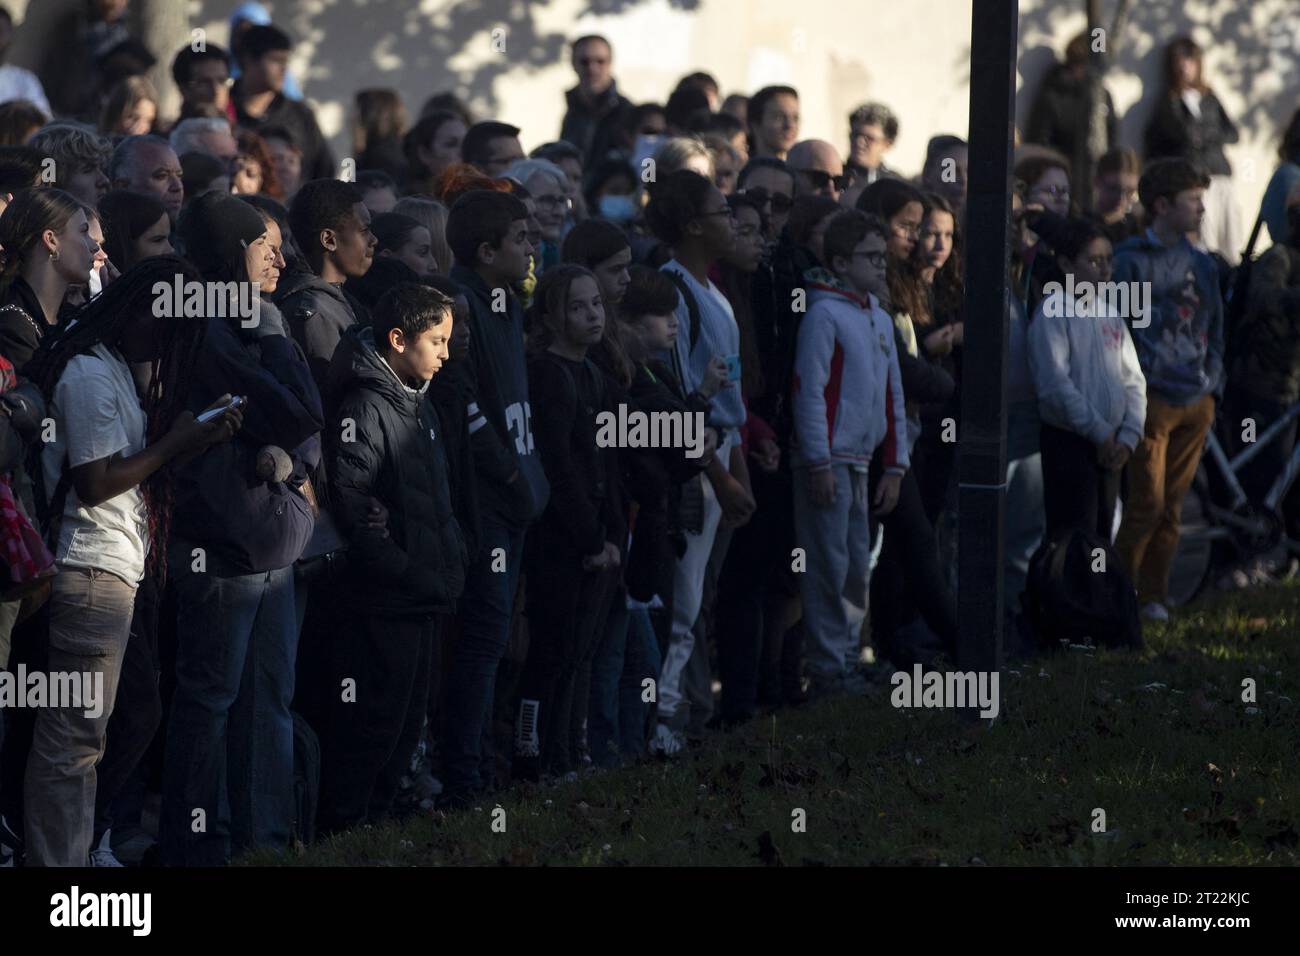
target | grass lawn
[{"x": 1186, "y": 772}]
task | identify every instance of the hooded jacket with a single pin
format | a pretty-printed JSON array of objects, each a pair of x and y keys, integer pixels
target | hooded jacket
[
  {"x": 1181, "y": 346},
  {"x": 848, "y": 392},
  {"x": 385, "y": 442},
  {"x": 318, "y": 313},
  {"x": 1086, "y": 373},
  {"x": 246, "y": 525},
  {"x": 494, "y": 381}
]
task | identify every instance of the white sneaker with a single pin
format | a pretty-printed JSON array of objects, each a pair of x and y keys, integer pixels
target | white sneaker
[
  {"x": 527, "y": 741},
  {"x": 667, "y": 741},
  {"x": 102, "y": 855},
  {"x": 1154, "y": 611}
]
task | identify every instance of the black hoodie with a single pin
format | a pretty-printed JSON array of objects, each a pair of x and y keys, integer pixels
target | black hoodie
[
  {"x": 246, "y": 525},
  {"x": 317, "y": 313},
  {"x": 385, "y": 442},
  {"x": 494, "y": 380}
]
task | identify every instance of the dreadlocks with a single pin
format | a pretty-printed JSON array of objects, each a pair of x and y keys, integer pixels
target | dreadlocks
[{"x": 103, "y": 320}]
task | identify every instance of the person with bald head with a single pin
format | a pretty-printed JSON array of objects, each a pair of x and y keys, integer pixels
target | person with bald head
[{"x": 818, "y": 169}]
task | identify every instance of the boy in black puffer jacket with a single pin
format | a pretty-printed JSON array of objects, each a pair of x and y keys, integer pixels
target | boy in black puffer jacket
[{"x": 386, "y": 443}]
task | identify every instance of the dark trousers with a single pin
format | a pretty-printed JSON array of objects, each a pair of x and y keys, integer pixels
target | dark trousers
[
  {"x": 908, "y": 579},
  {"x": 485, "y": 610},
  {"x": 138, "y": 710},
  {"x": 751, "y": 581},
  {"x": 228, "y": 776},
  {"x": 1077, "y": 492},
  {"x": 563, "y": 607},
  {"x": 373, "y": 735}
]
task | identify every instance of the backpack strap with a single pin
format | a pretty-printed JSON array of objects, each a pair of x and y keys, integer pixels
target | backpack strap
[{"x": 692, "y": 319}]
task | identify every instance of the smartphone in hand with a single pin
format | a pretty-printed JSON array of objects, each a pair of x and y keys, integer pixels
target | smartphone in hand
[{"x": 235, "y": 402}]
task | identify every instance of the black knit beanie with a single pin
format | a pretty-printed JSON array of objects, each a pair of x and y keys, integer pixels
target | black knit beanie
[{"x": 216, "y": 228}]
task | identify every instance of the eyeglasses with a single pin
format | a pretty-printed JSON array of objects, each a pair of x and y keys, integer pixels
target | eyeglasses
[
  {"x": 820, "y": 179},
  {"x": 907, "y": 230},
  {"x": 553, "y": 202},
  {"x": 780, "y": 202},
  {"x": 865, "y": 137},
  {"x": 876, "y": 258},
  {"x": 727, "y": 211},
  {"x": 1053, "y": 191}
]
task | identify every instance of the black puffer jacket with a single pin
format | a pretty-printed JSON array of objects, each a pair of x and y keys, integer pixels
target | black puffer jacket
[
  {"x": 317, "y": 314},
  {"x": 391, "y": 450}
]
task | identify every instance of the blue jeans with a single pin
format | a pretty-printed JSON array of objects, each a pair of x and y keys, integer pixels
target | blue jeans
[
  {"x": 603, "y": 717},
  {"x": 485, "y": 611},
  {"x": 641, "y": 659},
  {"x": 230, "y": 736}
]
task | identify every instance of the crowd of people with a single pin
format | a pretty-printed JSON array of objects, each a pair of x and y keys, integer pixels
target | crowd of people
[{"x": 307, "y": 467}]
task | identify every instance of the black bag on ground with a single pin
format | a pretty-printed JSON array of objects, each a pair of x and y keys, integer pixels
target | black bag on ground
[
  {"x": 306, "y": 779},
  {"x": 1066, "y": 599}
]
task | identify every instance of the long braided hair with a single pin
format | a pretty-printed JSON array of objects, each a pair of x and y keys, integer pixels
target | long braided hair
[{"x": 103, "y": 320}]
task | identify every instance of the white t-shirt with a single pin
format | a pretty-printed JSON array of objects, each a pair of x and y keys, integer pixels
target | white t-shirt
[
  {"x": 96, "y": 414},
  {"x": 19, "y": 84}
]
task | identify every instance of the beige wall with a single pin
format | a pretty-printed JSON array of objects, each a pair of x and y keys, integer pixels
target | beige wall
[{"x": 911, "y": 54}]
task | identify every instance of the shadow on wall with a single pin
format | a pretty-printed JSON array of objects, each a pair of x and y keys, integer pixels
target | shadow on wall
[
  {"x": 1242, "y": 54},
  {"x": 393, "y": 43}
]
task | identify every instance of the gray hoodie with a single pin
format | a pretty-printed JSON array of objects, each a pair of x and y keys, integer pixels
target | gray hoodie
[{"x": 1086, "y": 372}]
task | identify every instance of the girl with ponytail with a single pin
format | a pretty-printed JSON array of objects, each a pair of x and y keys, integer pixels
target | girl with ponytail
[{"x": 45, "y": 247}]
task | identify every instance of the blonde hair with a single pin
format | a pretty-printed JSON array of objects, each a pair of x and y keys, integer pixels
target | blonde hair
[
  {"x": 432, "y": 215},
  {"x": 677, "y": 151}
]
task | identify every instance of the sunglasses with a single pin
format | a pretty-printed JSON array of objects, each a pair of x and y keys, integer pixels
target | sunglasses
[
  {"x": 820, "y": 179},
  {"x": 780, "y": 202}
]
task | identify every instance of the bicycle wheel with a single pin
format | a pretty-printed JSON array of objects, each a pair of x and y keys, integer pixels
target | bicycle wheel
[{"x": 1194, "y": 561}]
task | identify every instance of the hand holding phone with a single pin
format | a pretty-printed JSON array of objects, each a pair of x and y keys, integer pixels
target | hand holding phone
[{"x": 235, "y": 402}]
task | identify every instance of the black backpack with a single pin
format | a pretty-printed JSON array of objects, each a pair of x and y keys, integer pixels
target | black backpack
[
  {"x": 1065, "y": 599},
  {"x": 1236, "y": 296},
  {"x": 306, "y": 779}
]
